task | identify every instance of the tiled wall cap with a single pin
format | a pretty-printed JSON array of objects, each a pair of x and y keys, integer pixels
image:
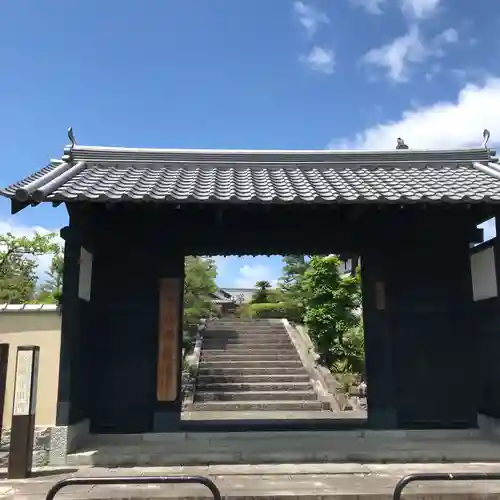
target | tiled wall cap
[{"x": 28, "y": 308}]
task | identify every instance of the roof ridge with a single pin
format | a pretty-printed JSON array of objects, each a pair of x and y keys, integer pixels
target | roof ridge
[
  {"x": 318, "y": 164},
  {"x": 104, "y": 154},
  {"x": 111, "y": 149}
]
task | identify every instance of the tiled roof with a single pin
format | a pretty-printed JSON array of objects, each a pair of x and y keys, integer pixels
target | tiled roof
[{"x": 155, "y": 175}]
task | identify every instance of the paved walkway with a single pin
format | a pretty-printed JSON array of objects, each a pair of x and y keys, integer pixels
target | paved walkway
[{"x": 304, "y": 482}]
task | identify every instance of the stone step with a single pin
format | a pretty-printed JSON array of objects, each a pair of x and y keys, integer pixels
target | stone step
[
  {"x": 237, "y": 379},
  {"x": 259, "y": 405},
  {"x": 229, "y": 335},
  {"x": 245, "y": 327},
  {"x": 248, "y": 356},
  {"x": 245, "y": 321},
  {"x": 261, "y": 341},
  {"x": 253, "y": 386},
  {"x": 229, "y": 371},
  {"x": 318, "y": 448},
  {"x": 238, "y": 396},
  {"x": 250, "y": 348},
  {"x": 234, "y": 319},
  {"x": 251, "y": 364},
  {"x": 252, "y": 351}
]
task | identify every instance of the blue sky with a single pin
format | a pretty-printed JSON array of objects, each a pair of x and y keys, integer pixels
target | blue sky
[{"x": 280, "y": 74}]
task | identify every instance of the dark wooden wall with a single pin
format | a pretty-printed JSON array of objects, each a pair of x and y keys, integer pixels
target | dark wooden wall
[{"x": 417, "y": 342}]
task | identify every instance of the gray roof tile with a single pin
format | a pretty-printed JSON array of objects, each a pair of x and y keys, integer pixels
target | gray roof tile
[{"x": 117, "y": 174}]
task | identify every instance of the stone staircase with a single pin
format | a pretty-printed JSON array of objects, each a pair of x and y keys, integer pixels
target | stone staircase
[{"x": 252, "y": 365}]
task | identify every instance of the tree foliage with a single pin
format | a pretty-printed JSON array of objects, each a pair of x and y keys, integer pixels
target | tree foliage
[
  {"x": 199, "y": 284},
  {"x": 51, "y": 289},
  {"x": 291, "y": 286},
  {"x": 331, "y": 303},
  {"x": 294, "y": 268},
  {"x": 261, "y": 295},
  {"x": 18, "y": 266}
]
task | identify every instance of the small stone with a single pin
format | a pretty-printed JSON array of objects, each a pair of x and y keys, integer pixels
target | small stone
[
  {"x": 42, "y": 439},
  {"x": 5, "y": 441}
]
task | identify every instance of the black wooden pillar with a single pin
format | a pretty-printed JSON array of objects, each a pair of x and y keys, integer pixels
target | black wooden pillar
[
  {"x": 378, "y": 340},
  {"x": 70, "y": 399}
]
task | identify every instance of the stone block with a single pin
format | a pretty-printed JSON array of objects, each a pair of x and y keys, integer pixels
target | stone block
[
  {"x": 65, "y": 439},
  {"x": 40, "y": 458}
]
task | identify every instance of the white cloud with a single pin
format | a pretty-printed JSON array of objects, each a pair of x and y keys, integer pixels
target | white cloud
[
  {"x": 310, "y": 17},
  {"x": 410, "y": 49},
  {"x": 371, "y": 6},
  {"x": 420, "y": 9},
  {"x": 413, "y": 9},
  {"x": 447, "y": 36},
  {"x": 447, "y": 124},
  {"x": 220, "y": 262},
  {"x": 249, "y": 275},
  {"x": 320, "y": 59},
  {"x": 10, "y": 226}
]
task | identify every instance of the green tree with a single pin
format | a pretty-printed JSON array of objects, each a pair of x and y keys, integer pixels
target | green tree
[
  {"x": 199, "y": 283},
  {"x": 294, "y": 268},
  {"x": 291, "y": 285},
  {"x": 18, "y": 265},
  {"x": 51, "y": 289},
  {"x": 261, "y": 295},
  {"x": 332, "y": 303}
]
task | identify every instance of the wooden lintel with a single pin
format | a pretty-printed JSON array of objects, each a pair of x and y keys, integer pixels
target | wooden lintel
[{"x": 167, "y": 377}]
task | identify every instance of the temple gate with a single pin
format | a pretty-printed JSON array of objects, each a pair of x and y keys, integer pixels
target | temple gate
[{"x": 134, "y": 214}]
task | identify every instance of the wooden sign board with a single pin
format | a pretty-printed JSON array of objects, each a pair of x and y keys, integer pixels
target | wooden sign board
[
  {"x": 168, "y": 339},
  {"x": 23, "y": 382},
  {"x": 23, "y": 412}
]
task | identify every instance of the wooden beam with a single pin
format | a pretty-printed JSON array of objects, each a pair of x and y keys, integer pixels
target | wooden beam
[{"x": 167, "y": 377}]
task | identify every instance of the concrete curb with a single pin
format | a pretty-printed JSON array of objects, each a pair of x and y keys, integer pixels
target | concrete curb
[
  {"x": 323, "y": 389},
  {"x": 188, "y": 402}
]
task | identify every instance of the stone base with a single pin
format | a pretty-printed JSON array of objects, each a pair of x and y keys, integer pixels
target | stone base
[
  {"x": 51, "y": 443},
  {"x": 489, "y": 426},
  {"x": 289, "y": 447},
  {"x": 41, "y": 446},
  {"x": 66, "y": 439}
]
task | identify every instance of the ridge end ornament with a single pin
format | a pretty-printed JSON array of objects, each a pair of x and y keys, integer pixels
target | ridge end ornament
[
  {"x": 401, "y": 144},
  {"x": 486, "y": 138},
  {"x": 71, "y": 137}
]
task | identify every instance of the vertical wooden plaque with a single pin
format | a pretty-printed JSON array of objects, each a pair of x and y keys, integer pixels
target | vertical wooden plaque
[
  {"x": 167, "y": 375},
  {"x": 380, "y": 296}
]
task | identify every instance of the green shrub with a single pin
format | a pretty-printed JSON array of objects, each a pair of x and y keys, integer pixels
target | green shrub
[
  {"x": 267, "y": 310},
  {"x": 294, "y": 311}
]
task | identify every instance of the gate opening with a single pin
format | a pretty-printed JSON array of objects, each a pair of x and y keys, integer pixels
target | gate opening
[{"x": 272, "y": 342}]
